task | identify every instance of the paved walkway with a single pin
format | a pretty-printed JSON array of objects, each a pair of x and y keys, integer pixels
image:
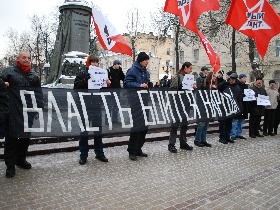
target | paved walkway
[{"x": 243, "y": 175}]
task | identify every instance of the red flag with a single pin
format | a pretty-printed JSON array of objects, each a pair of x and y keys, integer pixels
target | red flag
[
  {"x": 190, "y": 10},
  {"x": 212, "y": 55},
  {"x": 256, "y": 19},
  {"x": 108, "y": 36}
]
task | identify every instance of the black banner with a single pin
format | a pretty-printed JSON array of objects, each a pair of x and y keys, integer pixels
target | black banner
[{"x": 50, "y": 112}]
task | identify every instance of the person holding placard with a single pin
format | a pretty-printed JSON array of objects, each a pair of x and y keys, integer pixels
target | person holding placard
[
  {"x": 81, "y": 82},
  {"x": 256, "y": 111},
  {"x": 177, "y": 84},
  {"x": 270, "y": 111}
]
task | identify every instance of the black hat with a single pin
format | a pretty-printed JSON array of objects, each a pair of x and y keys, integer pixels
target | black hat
[
  {"x": 259, "y": 78},
  {"x": 271, "y": 81},
  {"x": 229, "y": 73},
  {"x": 142, "y": 56},
  {"x": 221, "y": 71},
  {"x": 203, "y": 68},
  {"x": 116, "y": 62},
  {"x": 233, "y": 75}
]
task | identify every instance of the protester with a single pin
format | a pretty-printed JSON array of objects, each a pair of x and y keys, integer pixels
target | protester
[
  {"x": 210, "y": 83},
  {"x": 270, "y": 111},
  {"x": 177, "y": 84},
  {"x": 226, "y": 124},
  {"x": 164, "y": 81},
  {"x": 277, "y": 116},
  {"x": 256, "y": 111},
  {"x": 81, "y": 82},
  {"x": 115, "y": 75},
  {"x": 202, "y": 75},
  {"x": 220, "y": 77},
  {"x": 238, "y": 121},
  {"x": 156, "y": 85},
  {"x": 4, "y": 108},
  {"x": 137, "y": 77},
  {"x": 20, "y": 75}
]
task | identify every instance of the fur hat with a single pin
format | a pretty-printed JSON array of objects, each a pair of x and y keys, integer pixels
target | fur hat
[
  {"x": 142, "y": 56},
  {"x": 259, "y": 78}
]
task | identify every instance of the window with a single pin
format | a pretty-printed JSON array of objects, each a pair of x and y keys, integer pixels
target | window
[
  {"x": 168, "y": 51},
  {"x": 277, "y": 48},
  {"x": 181, "y": 57},
  {"x": 276, "y": 77},
  {"x": 196, "y": 55}
]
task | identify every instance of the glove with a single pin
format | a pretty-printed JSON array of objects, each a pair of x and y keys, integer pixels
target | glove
[{"x": 86, "y": 76}]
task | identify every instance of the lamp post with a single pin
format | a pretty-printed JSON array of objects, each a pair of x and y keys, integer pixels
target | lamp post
[{"x": 167, "y": 65}]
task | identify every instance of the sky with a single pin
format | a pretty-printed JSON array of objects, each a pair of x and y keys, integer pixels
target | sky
[{"x": 15, "y": 13}]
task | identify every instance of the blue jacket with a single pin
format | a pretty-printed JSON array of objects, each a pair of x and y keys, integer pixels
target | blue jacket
[{"x": 135, "y": 76}]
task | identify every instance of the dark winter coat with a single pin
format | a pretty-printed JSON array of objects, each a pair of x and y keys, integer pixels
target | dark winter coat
[
  {"x": 17, "y": 78},
  {"x": 257, "y": 110},
  {"x": 81, "y": 80},
  {"x": 245, "y": 106},
  {"x": 115, "y": 76},
  {"x": 136, "y": 76},
  {"x": 200, "y": 80},
  {"x": 236, "y": 91},
  {"x": 4, "y": 105}
]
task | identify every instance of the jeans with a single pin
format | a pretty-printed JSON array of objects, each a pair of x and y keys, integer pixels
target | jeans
[
  {"x": 237, "y": 125},
  {"x": 84, "y": 147},
  {"x": 201, "y": 131}
]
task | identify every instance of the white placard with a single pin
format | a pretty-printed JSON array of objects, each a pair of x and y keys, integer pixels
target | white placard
[
  {"x": 249, "y": 95},
  {"x": 188, "y": 82},
  {"x": 98, "y": 77},
  {"x": 263, "y": 100}
]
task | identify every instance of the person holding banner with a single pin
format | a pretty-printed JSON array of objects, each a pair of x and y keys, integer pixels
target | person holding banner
[
  {"x": 238, "y": 121},
  {"x": 256, "y": 111},
  {"x": 177, "y": 84},
  {"x": 81, "y": 82},
  {"x": 137, "y": 77},
  {"x": 201, "y": 77},
  {"x": 21, "y": 75},
  {"x": 270, "y": 111},
  {"x": 225, "y": 125},
  {"x": 210, "y": 83}
]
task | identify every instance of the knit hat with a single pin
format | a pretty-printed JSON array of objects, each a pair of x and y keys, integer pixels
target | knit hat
[
  {"x": 258, "y": 78},
  {"x": 116, "y": 62},
  {"x": 271, "y": 81},
  {"x": 229, "y": 73},
  {"x": 233, "y": 75},
  {"x": 221, "y": 71},
  {"x": 142, "y": 56},
  {"x": 203, "y": 68},
  {"x": 242, "y": 76}
]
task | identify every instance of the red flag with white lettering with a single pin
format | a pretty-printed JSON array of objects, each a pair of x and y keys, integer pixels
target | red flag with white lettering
[
  {"x": 212, "y": 55},
  {"x": 256, "y": 19},
  {"x": 190, "y": 10},
  {"x": 108, "y": 36}
]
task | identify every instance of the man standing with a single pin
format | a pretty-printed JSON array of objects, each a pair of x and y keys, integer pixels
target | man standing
[
  {"x": 270, "y": 111},
  {"x": 226, "y": 124},
  {"x": 220, "y": 76},
  {"x": 20, "y": 75},
  {"x": 137, "y": 77},
  {"x": 202, "y": 75},
  {"x": 115, "y": 75},
  {"x": 256, "y": 111},
  {"x": 238, "y": 121},
  {"x": 177, "y": 84}
]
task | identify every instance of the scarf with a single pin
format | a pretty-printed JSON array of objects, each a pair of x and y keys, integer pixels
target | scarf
[{"x": 25, "y": 69}]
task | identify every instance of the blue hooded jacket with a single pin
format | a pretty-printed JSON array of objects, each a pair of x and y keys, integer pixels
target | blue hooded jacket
[{"x": 135, "y": 76}]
